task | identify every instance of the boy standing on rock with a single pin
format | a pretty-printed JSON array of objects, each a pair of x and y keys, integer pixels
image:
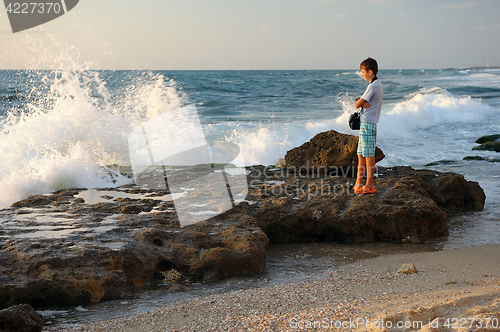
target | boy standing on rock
[{"x": 371, "y": 101}]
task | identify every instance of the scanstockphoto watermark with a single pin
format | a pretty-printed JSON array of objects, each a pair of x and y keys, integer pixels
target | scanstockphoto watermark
[
  {"x": 309, "y": 171},
  {"x": 300, "y": 189},
  {"x": 306, "y": 181},
  {"x": 27, "y": 14},
  {"x": 355, "y": 323}
]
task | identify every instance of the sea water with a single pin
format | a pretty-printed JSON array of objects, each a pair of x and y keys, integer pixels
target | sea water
[{"x": 65, "y": 128}]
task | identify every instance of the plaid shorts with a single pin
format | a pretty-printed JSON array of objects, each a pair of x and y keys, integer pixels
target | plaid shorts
[{"x": 367, "y": 139}]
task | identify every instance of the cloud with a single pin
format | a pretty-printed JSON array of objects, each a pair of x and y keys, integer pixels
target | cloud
[
  {"x": 497, "y": 25},
  {"x": 460, "y": 6},
  {"x": 342, "y": 15},
  {"x": 480, "y": 27},
  {"x": 266, "y": 27}
]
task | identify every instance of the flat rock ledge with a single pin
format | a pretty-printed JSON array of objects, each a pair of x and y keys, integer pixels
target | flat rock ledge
[{"x": 78, "y": 246}]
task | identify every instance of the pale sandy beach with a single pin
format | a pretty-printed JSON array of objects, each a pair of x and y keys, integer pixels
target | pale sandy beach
[{"x": 454, "y": 290}]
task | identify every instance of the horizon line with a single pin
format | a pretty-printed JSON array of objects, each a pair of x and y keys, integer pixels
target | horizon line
[{"x": 150, "y": 69}]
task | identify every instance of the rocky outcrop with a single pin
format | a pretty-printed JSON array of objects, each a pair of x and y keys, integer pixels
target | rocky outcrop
[
  {"x": 454, "y": 194},
  {"x": 20, "y": 318},
  {"x": 488, "y": 138},
  {"x": 410, "y": 206},
  {"x": 328, "y": 151},
  {"x": 58, "y": 250},
  {"x": 490, "y": 143}
]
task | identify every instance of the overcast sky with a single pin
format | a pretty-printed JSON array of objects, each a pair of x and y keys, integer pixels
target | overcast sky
[{"x": 260, "y": 34}]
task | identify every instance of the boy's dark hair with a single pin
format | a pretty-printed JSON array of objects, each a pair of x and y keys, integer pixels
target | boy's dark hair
[{"x": 369, "y": 64}]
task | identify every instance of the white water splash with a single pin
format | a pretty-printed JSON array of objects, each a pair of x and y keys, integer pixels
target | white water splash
[{"x": 75, "y": 127}]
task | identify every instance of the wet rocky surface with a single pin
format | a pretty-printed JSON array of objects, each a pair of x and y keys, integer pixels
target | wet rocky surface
[{"x": 78, "y": 246}]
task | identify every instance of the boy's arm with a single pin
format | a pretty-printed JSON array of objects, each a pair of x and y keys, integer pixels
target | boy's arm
[{"x": 361, "y": 103}]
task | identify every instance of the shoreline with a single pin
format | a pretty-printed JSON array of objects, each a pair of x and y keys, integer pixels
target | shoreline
[{"x": 450, "y": 285}]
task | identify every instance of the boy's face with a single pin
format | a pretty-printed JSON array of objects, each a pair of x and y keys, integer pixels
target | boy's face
[{"x": 367, "y": 75}]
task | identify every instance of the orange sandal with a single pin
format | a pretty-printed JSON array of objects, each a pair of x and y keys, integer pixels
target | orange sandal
[
  {"x": 357, "y": 190},
  {"x": 366, "y": 190}
]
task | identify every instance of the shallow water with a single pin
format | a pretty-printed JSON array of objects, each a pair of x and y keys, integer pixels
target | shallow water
[{"x": 93, "y": 196}]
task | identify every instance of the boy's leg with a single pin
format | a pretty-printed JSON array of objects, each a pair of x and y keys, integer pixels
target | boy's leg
[
  {"x": 370, "y": 173},
  {"x": 361, "y": 171},
  {"x": 366, "y": 153}
]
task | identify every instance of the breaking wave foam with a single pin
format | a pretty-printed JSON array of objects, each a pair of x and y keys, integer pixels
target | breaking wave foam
[{"x": 69, "y": 136}]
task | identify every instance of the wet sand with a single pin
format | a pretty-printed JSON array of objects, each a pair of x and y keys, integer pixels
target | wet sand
[{"x": 453, "y": 290}]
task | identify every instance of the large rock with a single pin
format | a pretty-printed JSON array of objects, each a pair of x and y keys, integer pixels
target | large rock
[
  {"x": 488, "y": 138},
  {"x": 410, "y": 206},
  {"x": 490, "y": 143},
  {"x": 327, "y": 151},
  {"x": 58, "y": 250},
  {"x": 20, "y": 318}
]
